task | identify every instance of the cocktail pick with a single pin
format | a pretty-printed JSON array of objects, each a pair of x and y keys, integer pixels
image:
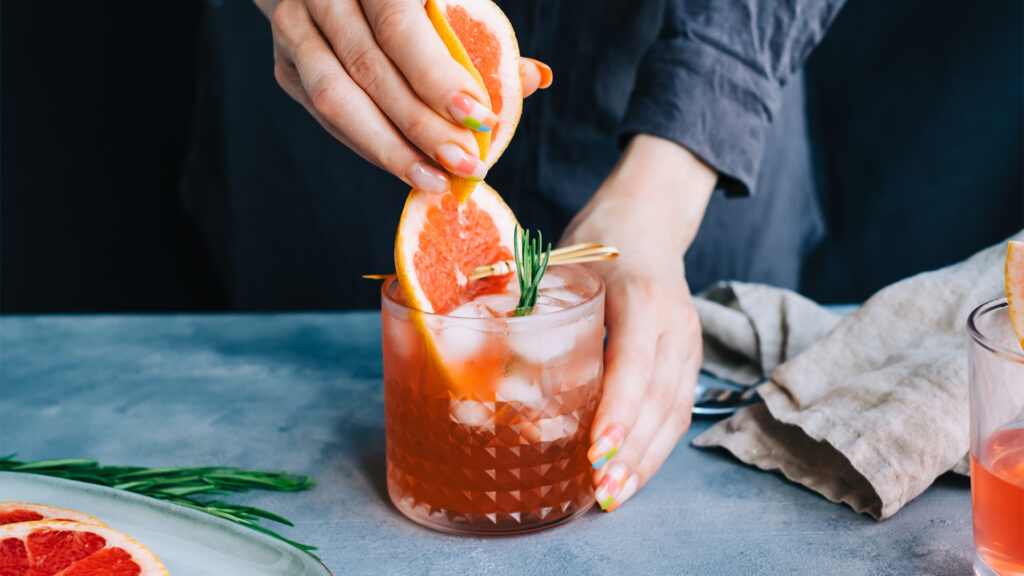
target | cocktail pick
[{"x": 575, "y": 254}]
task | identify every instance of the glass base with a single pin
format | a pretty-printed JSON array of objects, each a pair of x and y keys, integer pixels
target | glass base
[
  {"x": 983, "y": 569},
  {"x": 504, "y": 524}
]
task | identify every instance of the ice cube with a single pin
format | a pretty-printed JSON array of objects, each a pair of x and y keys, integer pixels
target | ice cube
[
  {"x": 559, "y": 296},
  {"x": 458, "y": 343},
  {"x": 471, "y": 310},
  {"x": 499, "y": 305},
  {"x": 559, "y": 427},
  {"x": 518, "y": 389},
  {"x": 543, "y": 345},
  {"x": 471, "y": 413},
  {"x": 552, "y": 279}
]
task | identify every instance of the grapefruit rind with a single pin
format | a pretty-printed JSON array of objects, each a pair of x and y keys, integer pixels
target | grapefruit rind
[
  {"x": 147, "y": 561},
  {"x": 1015, "y": 287},
  {"x": 49, "y": 512}
]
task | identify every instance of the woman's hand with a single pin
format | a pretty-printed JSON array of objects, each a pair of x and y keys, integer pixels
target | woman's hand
[
  {"x": 649, "y": 208},
  {"x": 376, "y": 75}
]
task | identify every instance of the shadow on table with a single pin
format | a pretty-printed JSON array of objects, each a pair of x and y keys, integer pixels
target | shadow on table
[{"x": 364, "y": 445}]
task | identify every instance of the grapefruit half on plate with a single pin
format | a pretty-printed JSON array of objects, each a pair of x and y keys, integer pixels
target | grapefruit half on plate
[
  {"x": 480, "y": 37},
  {"x": 53, "y": 547},
  {"x": 1015, "y": 287},
  {"x": 13, "y": 512}
]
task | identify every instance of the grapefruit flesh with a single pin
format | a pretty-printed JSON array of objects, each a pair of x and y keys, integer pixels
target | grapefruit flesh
[
  {"x": 1015, "y": 287},
  {"x": 13, "y": 512},
  {"x": 440, "y": 243},
  {"x": 480, "y": 37},
  {"x": 57, "y": 548}
]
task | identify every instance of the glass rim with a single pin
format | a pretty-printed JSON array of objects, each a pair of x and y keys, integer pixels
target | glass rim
[
  {"x": 553, "y": 317},
  {"x": 985, "y": 341}
]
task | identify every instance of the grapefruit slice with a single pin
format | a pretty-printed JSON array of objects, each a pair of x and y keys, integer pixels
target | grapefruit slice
[
  {"x": 55, "y": 548},
  {"x": 1015, "y": 287},
  {"x": 480, "y": 37},
  {"x": 13, "y": 512},
  {"x": 440, "y": 243}
]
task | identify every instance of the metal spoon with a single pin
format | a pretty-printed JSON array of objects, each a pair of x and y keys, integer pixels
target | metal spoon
[{"x": 717, "y": 397}]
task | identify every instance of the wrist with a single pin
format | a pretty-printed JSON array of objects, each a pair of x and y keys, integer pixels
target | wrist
[{"x": 665, "y": 182}]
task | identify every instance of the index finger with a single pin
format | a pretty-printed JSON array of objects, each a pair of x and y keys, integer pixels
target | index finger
[{"x": 407, "y": 36}]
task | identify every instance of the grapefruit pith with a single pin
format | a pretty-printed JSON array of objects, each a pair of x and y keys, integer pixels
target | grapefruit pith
[
  {"x": 12, "y": 512},
  {"x": 1015, "y": 287},
  {"x": 480, "y": 37},
  {"x": 440, "y": 243},
  {"x": 56, "y": 548}
]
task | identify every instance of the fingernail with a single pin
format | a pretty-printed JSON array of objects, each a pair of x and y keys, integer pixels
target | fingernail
[
  {"x": 461, "y": 163},
  {"x": 427, "y": 178},
  {"x": 628, "y": 489},
  {"x": 606, "y": 446},
  {"x": 471, "y": 114},
  {"x": 546, "y": 75},
  {"x": 610, "y": 486}
]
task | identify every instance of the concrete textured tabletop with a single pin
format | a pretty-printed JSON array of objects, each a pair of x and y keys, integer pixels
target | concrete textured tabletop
[{"x": 303, "y": 392}]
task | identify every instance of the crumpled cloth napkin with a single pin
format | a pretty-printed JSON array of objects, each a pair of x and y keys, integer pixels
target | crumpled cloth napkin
[{"x": 869, "y": 409}]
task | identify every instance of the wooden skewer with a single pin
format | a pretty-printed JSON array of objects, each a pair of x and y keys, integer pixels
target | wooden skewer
[{"x": 575, "y": 254}]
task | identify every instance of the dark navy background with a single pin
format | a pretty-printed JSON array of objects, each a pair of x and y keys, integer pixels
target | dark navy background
[{"x": 915, "y": 157}]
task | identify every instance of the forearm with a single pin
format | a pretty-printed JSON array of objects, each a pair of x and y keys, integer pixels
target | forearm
[{"x": 658, "y": 189}]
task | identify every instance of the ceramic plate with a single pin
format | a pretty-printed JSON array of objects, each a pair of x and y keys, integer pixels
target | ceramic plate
[{"x": 189, "y": 543}]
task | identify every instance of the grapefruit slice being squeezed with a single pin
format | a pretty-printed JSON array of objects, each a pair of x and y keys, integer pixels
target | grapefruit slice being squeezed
[
  {"x": 440, "y": 243},
  {"x": 12, "y": 512},
  {"x": 52, "y": 547},
  {"x": 480, "y": 37},
  {"x": 1015, "y": 287}
]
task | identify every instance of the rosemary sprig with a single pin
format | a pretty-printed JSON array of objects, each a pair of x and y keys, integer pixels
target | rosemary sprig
[
  {"x": 180, "y": 486},
  {"x": 531, "y": 263}
]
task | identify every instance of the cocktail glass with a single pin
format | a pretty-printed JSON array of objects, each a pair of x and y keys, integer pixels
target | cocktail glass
[
  {"x": 488, "y": 418},
  {"x": 996, "y": 374}
]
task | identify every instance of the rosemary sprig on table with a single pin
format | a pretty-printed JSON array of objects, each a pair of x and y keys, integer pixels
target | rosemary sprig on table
[
  {"x": 180, "y": 486},
  {"x": 531, "y": 263}
]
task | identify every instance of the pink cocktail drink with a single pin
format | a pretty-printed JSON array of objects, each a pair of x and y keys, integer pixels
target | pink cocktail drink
[
  {"x": 488, "y": 416},
  {"x": 996, "y": 374}
]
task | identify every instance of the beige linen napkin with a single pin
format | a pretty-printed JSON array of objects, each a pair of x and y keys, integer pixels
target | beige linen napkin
[{"x": 877, "y": 409}]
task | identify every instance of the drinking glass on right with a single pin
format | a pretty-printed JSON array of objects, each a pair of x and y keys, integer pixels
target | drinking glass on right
[{"x": 996, "y": 375}]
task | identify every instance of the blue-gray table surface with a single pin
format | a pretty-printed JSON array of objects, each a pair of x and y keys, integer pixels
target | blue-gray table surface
[{"x": 303, "y": 392}]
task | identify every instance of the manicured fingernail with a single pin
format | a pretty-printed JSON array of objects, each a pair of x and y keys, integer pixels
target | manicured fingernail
[
  {"x": 546, "y": 76},
  {"x": 427, "y": 178},
  {"x": 610, "y": 486},
  {"x": 606, "y": 446},
  {"x": 461, "y": 163},
  {"x": 628, "y": 489},
  {"x": 471, "y": 114}
]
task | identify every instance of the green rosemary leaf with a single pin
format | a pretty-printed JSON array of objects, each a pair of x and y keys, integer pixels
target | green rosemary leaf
[
  {"x": 180, "y": 485},
  {"x": 42, "y": 464},
  {"x": 531, "y": 263}
]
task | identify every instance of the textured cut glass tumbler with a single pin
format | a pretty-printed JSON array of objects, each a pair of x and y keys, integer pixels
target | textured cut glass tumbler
[
  {"x": 488, "y": 419},
  {"x": 996, "y": 374}
]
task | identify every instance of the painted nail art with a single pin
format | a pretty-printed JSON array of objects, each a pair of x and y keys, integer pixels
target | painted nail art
[
  {"x": 471, "y": 114},
  {"x": 428, "y": 178},
  {"x": 461, "y": 163},
  {"x": 628, "y": 489},
  {"x": 610, "y": 486},
  {"x": 546, "y": 76},
  {"x": 606, "y": 446}
]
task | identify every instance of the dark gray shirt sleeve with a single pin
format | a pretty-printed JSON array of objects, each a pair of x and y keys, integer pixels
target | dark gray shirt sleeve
[{"x": 712, "y": 80}]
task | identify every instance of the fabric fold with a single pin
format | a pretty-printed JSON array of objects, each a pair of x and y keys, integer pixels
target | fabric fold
[{"x": 871, "y": 413}]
